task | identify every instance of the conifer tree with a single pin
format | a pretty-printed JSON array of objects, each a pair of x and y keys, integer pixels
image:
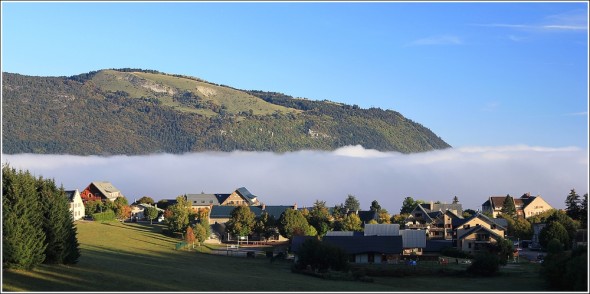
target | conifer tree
[
  {"x": 572, "y": 204},
  {"x": 58, "y": 224},
  {"x": 508, "y": 207},
  {"x": 23, "y": 240}
]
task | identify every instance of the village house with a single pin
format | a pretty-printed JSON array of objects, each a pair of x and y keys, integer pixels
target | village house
[
  {"x": 102, "y": 191},
  {"x": 138, "y": 210},
  {"x": 478, "y": 232},
  {"x": 240, "y": 196},
  {"x": 435, "y": 218},
  {"x": 76, "y": 204},
  {"x": 526, "y": 206},
  {"x": 219, "y": 215},
  {"x": 368, "y": 249}
]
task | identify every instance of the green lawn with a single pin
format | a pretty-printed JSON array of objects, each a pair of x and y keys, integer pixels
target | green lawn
[{"x": 136, "y": 257}]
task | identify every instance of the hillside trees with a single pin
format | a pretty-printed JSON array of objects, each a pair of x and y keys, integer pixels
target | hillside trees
[{"x": 36, "y": 222}]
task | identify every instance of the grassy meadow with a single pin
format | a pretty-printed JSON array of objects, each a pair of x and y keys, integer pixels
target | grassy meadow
[{"x": 137, "y": 257}]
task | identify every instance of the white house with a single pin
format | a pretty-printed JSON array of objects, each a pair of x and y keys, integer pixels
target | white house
[{"x": 76, "y": 204}]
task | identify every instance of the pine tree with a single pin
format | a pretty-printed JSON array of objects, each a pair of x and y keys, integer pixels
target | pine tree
[
  {"x": 54, "y": 220},
  {"x": 351, "y": 203},
  {"x": 375, "y": 206},
  {"x": 23, "y": 240},
  {"x": 572, "y": 204},
  {"x": 508, "y": 207}
]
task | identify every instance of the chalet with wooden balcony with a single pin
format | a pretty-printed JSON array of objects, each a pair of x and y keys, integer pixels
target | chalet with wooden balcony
[
  {"x": 104, "y": 191},
  {"x": 436, "y": 219}
]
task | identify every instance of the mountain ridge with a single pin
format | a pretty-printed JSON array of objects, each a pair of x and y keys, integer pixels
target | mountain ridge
[{"x": 135, "y": 111}]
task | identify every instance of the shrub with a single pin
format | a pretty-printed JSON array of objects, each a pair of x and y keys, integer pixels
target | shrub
[
  {"x": 485, "y": 263},
  {"x": 454, "y": 252},
  {"x": 566, "y": 271},
  {"x": 106, "y": 216},
  {"x": 321, "y": 257}
]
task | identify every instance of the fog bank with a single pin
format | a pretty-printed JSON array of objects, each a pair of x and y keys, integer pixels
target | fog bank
[{"x": 470, "y": 173}]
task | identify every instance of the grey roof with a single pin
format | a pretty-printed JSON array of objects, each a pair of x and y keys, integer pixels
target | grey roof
[
  {"x": 205, "y": 199},
  {"x": 246, "y": 194},
  {"x": 382, "y": 230},
  {"x": 413, "y": 238},
  {"x": 106, "y": 188},
  {"x": 444, "y": 206},
  {"x": 343, "y": 233},
  {"x": 437, "y": 245},
  {"x": 366, "y": 244}
]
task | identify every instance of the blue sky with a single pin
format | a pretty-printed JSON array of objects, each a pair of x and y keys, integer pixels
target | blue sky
[{"x": 477, "y": 74}]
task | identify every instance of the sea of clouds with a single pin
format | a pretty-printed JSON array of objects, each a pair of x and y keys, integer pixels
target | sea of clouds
[{"x": 470, "y": 173}]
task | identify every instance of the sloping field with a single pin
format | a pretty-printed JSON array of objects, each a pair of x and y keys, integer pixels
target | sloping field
[{"x": 136, "y": 257}]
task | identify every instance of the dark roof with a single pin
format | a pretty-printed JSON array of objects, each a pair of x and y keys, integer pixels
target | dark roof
[
  {"x": 444, "y": 206},
  {"x": 276, "y": 211},
  {"x": 497, "y": 201},
  {"x": 221, "y": 211},
  {"x": 437, "y": 245},
  {"x": 366, "y": 244},
  {"x": 434, "y": 214},
  {"x": 70, "y": 194},
  {"x": 297, "y": 241},
  {"x": 368, "y": 215},
  {"x": 487, "y": 203}
]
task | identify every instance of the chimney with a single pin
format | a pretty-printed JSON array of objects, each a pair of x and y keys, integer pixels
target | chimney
[
  {"x": 263, "y": 206},
  {"x": 295, "y": 206},
  {"x": 356, "y": 212}
]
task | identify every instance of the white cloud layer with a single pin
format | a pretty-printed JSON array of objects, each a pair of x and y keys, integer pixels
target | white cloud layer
[{"x": 470, "y": 173}]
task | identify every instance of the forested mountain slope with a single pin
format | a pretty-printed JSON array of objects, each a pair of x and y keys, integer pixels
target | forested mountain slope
[{"x": 133, "y": 111}]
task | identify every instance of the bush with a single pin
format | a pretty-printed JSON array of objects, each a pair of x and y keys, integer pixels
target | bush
[
  {"x": 454, "y": 252},
  {"x": 566, "y": 271},
  {"x": 321, "y": 257},
  {"x": 106, "y": 216},
  {"x": 485, "y": 264}
]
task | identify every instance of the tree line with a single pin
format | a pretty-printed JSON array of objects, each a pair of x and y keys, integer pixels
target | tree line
[{"x": 37, "y": 226}]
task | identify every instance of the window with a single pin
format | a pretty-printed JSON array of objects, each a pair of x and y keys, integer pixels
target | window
[
  {"x": 202, "y": 201},
  {"x": 466, "y": 226},
  {"x": 494, "y": 227},
  {"x": 469, "y": 245},
  {"x": 371, "y": 257}
]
